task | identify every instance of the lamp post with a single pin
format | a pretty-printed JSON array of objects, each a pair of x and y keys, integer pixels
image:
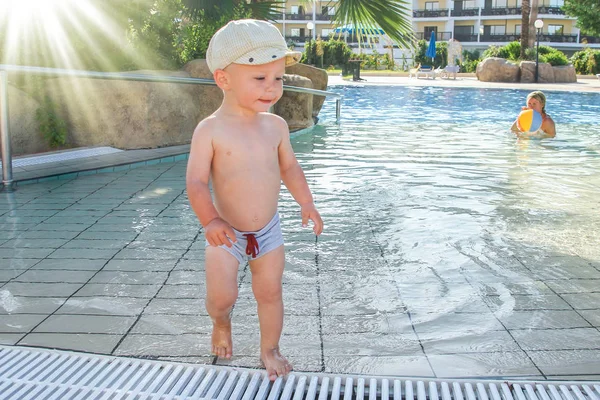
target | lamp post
[
  {"x": 310, "y": 26},
  {"x": 539, "y": 24}
]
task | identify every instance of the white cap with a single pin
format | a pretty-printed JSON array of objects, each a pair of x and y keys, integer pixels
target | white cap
[{"x": 249, "y": 42}]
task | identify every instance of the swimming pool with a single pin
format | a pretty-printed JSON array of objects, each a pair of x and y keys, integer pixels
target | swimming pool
[
  {"x": 491, "y": 242},
  {"x": 451, "y": 249}
]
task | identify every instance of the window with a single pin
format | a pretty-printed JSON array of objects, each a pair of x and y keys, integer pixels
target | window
[
  {"x": 295, "y": 31},
  {"x": 556, "y": 3},
  {"x": 500, "y": 3},
  {"x": 469, "y": 4},
  {"x": 518, "y": 29},
  {"x": 327, "y": 10},
  {"x": 497, "y": 30},
  {"x": 432, "y": 5},
  {"x": 327, "y": 32},
  {"x": 463, "y": 30},
  {"x": 555, "y": 29},
  {"x": 294, "y": 9}
]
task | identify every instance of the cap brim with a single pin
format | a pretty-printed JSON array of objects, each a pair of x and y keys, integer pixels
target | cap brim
[{"x": 266, "y": 55}]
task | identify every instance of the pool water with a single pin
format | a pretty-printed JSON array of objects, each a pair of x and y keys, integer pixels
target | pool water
[{"x": 490, "y": 241}]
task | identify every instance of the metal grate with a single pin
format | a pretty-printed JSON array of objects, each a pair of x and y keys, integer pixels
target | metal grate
[{"x": 39, "y": 374}]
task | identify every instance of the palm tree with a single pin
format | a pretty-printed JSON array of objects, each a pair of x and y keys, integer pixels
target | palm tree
[
  {"x": 526, "y": 10},
  {"x": 393, "y": 16}
]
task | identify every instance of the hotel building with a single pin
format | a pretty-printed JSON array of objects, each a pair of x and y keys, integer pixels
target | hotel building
[{"x": 476, "y": 24}]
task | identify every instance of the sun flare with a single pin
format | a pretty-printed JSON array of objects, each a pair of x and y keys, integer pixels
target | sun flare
[{"x": 57, "y": 33}]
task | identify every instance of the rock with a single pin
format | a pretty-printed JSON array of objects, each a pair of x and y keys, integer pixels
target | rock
[
  {"x": 130, "y": 115},
  {"x": 296, "y": 108},
  {"x": 545, "y": 72},
  {"x": 25, "y": 137},
  {"x": 319, "y": 80},
  {"x": 565, "y": 74},
  {"x": 198, "y": 69},
  {"x": 495, "y": 69}
]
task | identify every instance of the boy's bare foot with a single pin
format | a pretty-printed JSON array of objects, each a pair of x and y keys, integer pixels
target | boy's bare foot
[
  {"x": 222, "y": 345},
  {"x": 276, "y": 364}
]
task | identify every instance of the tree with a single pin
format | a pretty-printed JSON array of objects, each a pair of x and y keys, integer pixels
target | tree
[
  {"x": 587, "y": 13},
  {"x": 526, "y": 11},
  {"x": 532, "y": 17},
  {"x": 393, "y": 16}
]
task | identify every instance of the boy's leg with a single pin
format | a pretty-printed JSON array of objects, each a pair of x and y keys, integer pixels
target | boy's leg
[
  {"x": 221, "y": 294},
  {"x": 267, "y": 272}
]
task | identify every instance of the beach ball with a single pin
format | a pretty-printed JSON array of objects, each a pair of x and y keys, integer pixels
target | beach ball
[{"x": 529, "y": 121}]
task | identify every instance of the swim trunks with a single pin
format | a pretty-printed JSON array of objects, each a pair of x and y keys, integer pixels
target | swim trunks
[{"x": 252, "y": 245}]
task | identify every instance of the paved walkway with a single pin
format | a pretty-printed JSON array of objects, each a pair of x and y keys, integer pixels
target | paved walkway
[
  {"x": 587, "y": 84},
  {"x": 109, "y": 260}
]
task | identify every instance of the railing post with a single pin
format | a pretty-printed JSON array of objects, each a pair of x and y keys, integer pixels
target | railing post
[
  {"x": 7, "y": 176},
  {"x": 338, "y": 109}
]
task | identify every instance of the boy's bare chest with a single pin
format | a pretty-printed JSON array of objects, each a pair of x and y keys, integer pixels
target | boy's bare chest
[{"x": 247, "y": 146}]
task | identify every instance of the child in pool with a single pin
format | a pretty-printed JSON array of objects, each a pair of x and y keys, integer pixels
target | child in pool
[
  {"x": 537, "y": 101},
  {"x": 246, "y": 152}
]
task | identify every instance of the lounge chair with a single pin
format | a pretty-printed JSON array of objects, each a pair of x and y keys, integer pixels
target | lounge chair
[
  {"x": 425, "y": 71},
  {"x": 413, "y": 71},
  {"x": 449, "y": 70}
]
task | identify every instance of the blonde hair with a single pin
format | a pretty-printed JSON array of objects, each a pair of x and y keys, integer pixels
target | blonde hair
[{"x": 539, "y": 96}]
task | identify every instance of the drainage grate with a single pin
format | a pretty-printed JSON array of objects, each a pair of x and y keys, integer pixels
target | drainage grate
[{"x": 39, "y": 374}]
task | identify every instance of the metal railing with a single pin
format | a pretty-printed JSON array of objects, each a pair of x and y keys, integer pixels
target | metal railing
[{"x": 6, "y": 153}]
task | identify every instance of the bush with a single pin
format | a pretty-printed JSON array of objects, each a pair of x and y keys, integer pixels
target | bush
[
  {"x": 556, "y": 58},
  {"x": 52, "y": 127},
  {"x": 587, "y": 61},
  {"x": 334, "y": 53},
  {"x": 470, "y": 59},
  {"x": 513, "y": 50},
  {"x": 441, "y": 54}
]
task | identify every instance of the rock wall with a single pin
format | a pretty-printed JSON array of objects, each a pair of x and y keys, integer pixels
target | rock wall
[
  {"x": 23, "y": 126},
  {"x": 497, "y": 70},
  {"x": 500, "y": 70},
  {"x": 135, "y": 115}
]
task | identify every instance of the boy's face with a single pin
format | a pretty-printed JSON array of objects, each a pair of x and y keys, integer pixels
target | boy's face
[{"x": 256, "y": 87}]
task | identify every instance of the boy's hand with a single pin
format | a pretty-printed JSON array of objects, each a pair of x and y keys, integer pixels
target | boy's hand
[
  {"x": 309, "y": 211},
  {"x": 219, "y": 232}
]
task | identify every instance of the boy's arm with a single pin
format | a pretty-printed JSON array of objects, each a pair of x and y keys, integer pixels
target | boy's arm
[
  {"x": 198, "y": 175},
  {"x": 217, "y": 231},
  {"x": 293, "y": 178}
]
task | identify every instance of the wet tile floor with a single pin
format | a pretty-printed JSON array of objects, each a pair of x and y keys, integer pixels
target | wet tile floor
[{"x": 112, "y": 263}]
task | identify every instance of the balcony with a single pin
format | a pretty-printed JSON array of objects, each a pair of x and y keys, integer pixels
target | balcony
[
  {"x": 308, "y": 17},
  {"x": 442, "y": 12},
  {"x": 500, "y": 38},
  {"x": 558, "y": 38},
  {"x": 465, "y": 12},
  {"x": 501, "y": 11},
  {"x": 590, "y": 39},
  {"x": 439, "y": 36},
  {"x": 550, "y": 10},
  {"x": 465, "y": 38}
]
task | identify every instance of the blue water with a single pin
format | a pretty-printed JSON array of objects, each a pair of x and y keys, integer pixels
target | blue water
[{"x": 490, "y": 241}]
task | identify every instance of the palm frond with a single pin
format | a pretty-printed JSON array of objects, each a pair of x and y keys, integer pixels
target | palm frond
[{"x": 393, "y": 16}]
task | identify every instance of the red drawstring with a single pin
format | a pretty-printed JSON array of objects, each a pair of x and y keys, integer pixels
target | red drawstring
[{"x": 252, "y": 246}]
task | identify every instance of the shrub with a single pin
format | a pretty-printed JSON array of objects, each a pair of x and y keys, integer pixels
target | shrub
[
  {"x": 513, "y": 51},
  {"x": 586, "y": 61},
  {"x": 441, "y": 54},
  {"x": 555, "y": 58},
  {"x": 470, "y": 59},
  {"x": 52, "y": 127}
]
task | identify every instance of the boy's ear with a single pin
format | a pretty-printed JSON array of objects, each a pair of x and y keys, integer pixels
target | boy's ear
[{"x": 221, "y": 79}]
